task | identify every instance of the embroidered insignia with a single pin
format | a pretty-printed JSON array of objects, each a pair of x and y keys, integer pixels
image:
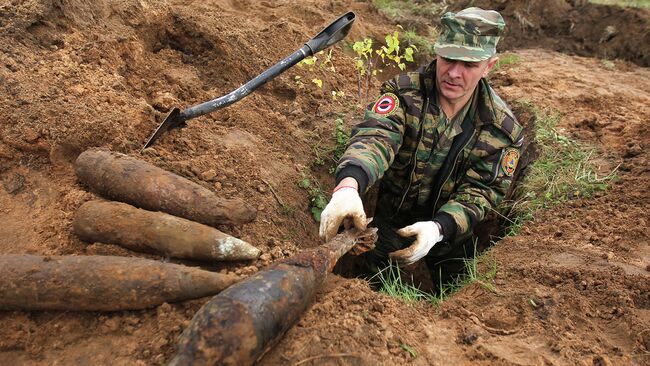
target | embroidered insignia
[
  {"x": 509, "y": 162},
  {"x": 386, "y": 104}
]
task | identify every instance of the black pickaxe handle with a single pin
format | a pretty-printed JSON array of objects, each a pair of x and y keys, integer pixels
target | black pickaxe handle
[{"x": 327, "y": 37}]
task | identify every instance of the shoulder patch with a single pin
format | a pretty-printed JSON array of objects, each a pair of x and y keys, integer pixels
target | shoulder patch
[
  {"x": 504, "y": 119},
  {"x": 386, "y": 104},
  {"x": 509, "y": 161}
]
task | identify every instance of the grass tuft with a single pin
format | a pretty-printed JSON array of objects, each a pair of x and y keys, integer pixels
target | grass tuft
[
  {"x": 506, "y": 59},
  {"x": 624, "y": 3},
  {"x": 405, "y": 8},
  {"x": 475, "y": 275},
  {"x": 325, "y": 153},
  {"x": 565, "y": 169},
  {"x": 609, "y": 65},
  {"x": 410, "y": 350},
  {"x": 317, "y": 197},
  {"x": 392, "y": 283}
]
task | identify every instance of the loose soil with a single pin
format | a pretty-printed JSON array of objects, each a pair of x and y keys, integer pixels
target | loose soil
[
  {"x": 572, "y": 288},
  {"x": 575, "y": 27}
]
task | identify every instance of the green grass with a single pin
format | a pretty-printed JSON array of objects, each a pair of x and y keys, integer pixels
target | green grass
[
  {"x": 609, "y": 65},
  {"x": 393, "y": 284},
  {"x": 405, "y": 8},
  {"x": 316, "y": 195},
  {"x": 324, "y": 154},
  {"x": 564, "y": 170},
  {"x": 475, "y": 275},
  {"x": 624, "y": 3},
  {"x": 517, "y": 222},
  {"x": 506, "y": 59},
  {"x": 410, "y": 350}
]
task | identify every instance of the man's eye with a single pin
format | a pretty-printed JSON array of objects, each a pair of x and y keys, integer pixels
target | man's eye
[{"x": 471, "y": 64}]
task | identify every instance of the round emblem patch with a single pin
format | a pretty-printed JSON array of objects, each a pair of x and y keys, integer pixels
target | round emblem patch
[
  {"x": 509, "y": 162},
  {"x": 386, "y": 104}
]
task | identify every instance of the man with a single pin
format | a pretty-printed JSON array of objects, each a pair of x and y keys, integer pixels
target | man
[{"x": 446, "y": 147}]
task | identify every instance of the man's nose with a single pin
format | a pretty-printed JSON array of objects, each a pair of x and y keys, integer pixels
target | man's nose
[{"x": 455, "y": 70}]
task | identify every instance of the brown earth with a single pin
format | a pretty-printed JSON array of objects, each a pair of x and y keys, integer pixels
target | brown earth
[
  {"x": 575, "y": 27},
  {"x": 571, "y": 289}
]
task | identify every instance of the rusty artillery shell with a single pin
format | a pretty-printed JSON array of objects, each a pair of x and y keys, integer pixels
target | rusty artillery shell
[
  {"x": 126, "y": 179},
  {"x": 237, "y": 326},
  {"x": 100, "y": 283},
  {"x": 147, "y": 231}
]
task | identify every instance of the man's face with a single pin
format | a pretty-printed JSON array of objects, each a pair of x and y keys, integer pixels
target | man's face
[{"x": 456, "y": 80}]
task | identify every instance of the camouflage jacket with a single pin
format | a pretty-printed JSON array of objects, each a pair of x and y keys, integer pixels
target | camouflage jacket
[{"x": 400, "y": 141}]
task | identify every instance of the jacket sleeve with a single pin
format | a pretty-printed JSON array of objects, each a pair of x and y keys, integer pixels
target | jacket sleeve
[
  {"x": 481, "y": 190},
  {"x": 375, "y": 141}
]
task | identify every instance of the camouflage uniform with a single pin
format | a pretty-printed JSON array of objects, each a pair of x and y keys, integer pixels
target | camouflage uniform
[{"x": 453, "y": 173}]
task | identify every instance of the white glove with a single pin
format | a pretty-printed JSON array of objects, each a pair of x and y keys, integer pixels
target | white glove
[
  {"x": 345, "y": 203},
  {"x": 428, "y": 234}
]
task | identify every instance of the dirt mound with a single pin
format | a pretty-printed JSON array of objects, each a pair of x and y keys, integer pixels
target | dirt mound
[
  {"x": 76, "y": 74},
  {"x": 575, "y": 27},
  {"x": 81, "y": 74}
]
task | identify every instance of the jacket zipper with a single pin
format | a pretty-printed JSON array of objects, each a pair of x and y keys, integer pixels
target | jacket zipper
[
  {"x": 495, "y": 170},
  {"x": 435, "y": 203},
  {"x": 425, "y": 110}
]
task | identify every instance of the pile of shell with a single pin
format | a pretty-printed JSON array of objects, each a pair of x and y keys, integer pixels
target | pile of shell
[{"x": 156, "y": 212}]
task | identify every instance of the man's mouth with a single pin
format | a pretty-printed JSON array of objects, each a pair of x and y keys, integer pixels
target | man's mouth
[{"x": 451, "y": 85}]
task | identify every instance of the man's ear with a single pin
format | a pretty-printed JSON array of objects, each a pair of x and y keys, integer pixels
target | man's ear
[{"x": 491, "y": 62}]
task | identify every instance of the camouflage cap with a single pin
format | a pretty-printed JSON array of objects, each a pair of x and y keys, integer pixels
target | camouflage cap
[{"x": 471, "y": 34}]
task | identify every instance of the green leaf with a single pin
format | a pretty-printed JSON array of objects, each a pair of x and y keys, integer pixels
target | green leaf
[
  {"x": 408, "y": 54},
  {"x": 320, "y": 201},
  {"x": 389, "y": 42},
  {"x": 308, "y": 61},
  {"x": 359, "y": 66},
  {"x": 409, "y": 350},
  {"x": 305, "y": 183},
  {"x": 392, "y": 41},
  {"x": 318, "y": 82},
  {"x": 316, "y": 212}
]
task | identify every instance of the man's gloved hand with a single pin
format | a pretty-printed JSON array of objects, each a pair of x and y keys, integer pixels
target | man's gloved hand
[
  {"x": 428, "y": 234},
  {"x": 345, "y": 203}
]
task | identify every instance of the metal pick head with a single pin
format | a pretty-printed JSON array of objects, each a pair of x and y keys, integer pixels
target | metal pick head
[{"x": 172, "y": 120}]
